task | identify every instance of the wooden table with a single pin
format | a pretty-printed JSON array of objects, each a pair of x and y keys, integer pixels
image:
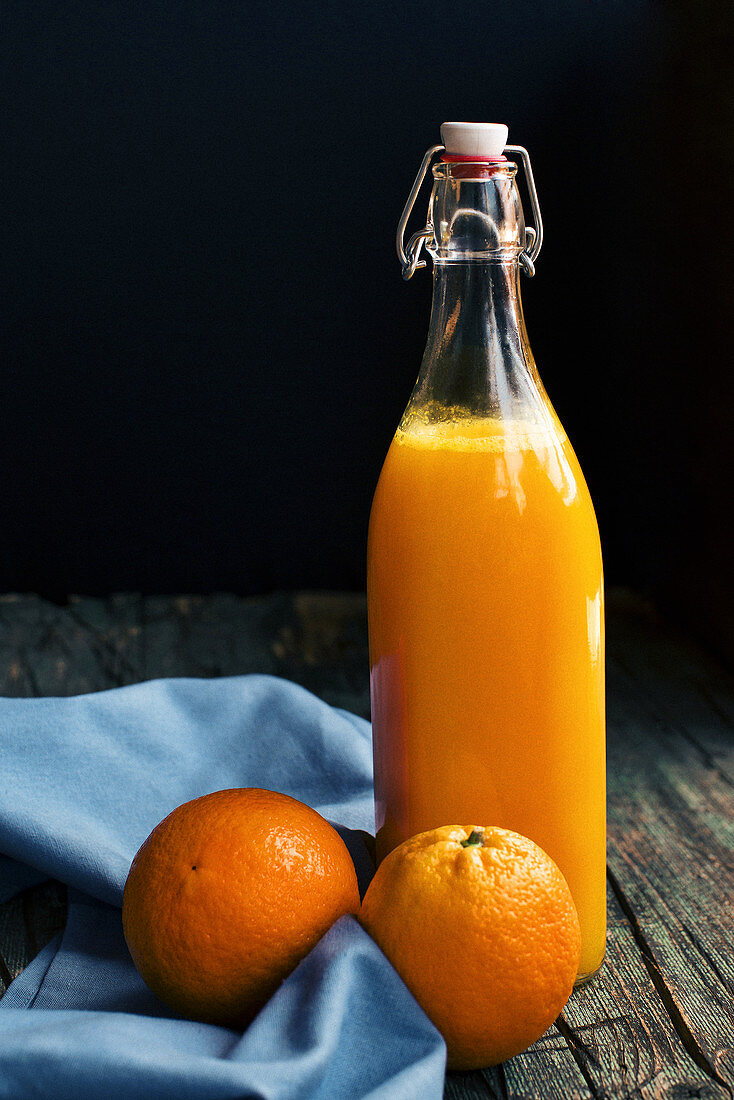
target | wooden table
[{"x": 659, "y": 1021}]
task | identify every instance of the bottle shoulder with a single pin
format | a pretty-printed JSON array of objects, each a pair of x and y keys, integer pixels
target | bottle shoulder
[{"x": 482, "y": 466}]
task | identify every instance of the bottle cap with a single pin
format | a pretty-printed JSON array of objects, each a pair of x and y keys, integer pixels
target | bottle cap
[{"x": 474, "y": 140}]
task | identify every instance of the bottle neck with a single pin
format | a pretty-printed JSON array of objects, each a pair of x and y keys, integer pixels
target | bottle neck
[
  {"x": 478, "y": 360},
  {"x": 477, "y": 311}
]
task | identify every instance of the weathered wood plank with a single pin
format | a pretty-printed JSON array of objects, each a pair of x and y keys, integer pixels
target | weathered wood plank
[
  {"x": 217, "y": 635},
  {"x": 50, "y": 650},
  {"x": 324, "y": 648},
  {"x": 671, "y": 859},
  {"x": 549, "y": 1069},
  {"x": 620, "y": 1030},
  {"x": 316, "y": 639},
  {"x": 676, "y": 858},
  {"x": 27, "y": 923},
  {"x": 681, "y": 683},
  {"x": 15, "y": 948},
  {"x": 111, "y": 631}
]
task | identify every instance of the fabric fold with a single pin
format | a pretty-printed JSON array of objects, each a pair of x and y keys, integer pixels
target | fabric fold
[{"x": 84, "y": 780}]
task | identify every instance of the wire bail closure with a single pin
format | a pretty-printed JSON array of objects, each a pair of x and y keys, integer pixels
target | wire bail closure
[{"x": 409, "y": 254}]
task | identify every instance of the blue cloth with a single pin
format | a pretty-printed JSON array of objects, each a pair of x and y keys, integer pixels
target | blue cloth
[{"x": 84, "y": 781}]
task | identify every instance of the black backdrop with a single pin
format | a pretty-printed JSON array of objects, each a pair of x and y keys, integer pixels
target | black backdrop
[{"x": 207, "y": 342}]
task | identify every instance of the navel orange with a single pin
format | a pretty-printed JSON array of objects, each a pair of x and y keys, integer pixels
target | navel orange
[
  {"x": 481, "y": 926},
  {"x": 228, "y": 894}
]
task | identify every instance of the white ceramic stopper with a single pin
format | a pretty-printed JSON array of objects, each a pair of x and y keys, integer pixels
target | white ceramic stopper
[{"x": 474, "y": 139}]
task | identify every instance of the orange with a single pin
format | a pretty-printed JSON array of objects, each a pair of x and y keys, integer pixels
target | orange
[
  {"x": 481, "y": 926},
  {"x": 227, "y": 895}
]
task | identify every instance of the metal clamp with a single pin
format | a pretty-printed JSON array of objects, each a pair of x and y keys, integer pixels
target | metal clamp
[
  {"x": 533, "y": 236},
  {"x": 409, "y": 255}
]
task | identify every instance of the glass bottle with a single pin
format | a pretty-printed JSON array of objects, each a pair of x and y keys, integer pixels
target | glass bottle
[{"x": 485, "y": 589}]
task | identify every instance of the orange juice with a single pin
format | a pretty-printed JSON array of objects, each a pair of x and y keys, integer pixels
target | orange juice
[{"x": 486, "y": 645}]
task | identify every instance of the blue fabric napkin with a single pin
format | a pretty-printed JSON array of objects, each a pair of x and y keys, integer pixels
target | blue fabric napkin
[{"x": 84, "y": 781}]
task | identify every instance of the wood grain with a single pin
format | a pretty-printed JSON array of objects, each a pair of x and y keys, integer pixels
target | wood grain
[{"x": 671, "y": 826}]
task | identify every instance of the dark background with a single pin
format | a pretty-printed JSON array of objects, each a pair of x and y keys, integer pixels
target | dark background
[{"x": 207, "y": 343}]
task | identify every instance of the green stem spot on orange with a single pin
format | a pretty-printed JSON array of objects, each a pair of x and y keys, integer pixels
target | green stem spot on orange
[{"x": 474, "y": 840}]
